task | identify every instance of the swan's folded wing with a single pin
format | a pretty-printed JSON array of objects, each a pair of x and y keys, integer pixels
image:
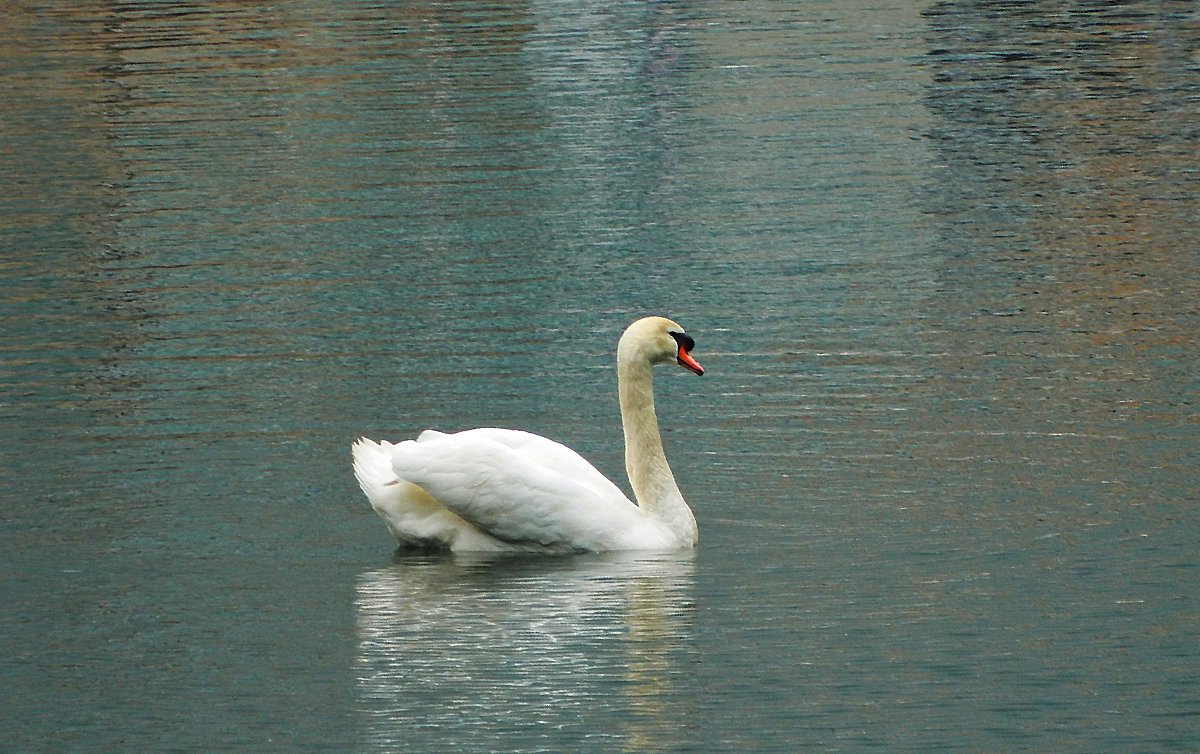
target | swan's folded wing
[
  {"x": 556, "y": 456},
  {"x": 510, "y": 492}
]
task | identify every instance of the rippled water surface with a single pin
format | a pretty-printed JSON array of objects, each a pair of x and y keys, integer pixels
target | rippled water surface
[{"x": 941, "y": 261}]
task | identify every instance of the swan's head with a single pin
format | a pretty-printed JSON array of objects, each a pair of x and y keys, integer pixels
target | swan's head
[{"x": 658, "y": 340}]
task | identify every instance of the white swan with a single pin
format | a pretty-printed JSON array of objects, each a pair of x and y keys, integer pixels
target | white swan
[{"x": 501, "y": 490}]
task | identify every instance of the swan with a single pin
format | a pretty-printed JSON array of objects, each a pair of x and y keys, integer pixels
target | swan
[{"x": 504, "y": 490}]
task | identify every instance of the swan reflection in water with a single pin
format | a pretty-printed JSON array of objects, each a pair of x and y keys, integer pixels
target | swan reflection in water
[{"x": 580, "y": 652}]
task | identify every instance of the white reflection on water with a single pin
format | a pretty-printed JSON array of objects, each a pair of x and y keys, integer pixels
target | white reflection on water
[{"x": 525, "y": 653}]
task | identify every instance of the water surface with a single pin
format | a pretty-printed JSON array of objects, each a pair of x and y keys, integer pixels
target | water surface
[{"x": 940, "y": 260}]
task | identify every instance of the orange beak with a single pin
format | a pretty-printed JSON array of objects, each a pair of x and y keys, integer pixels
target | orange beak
[{"x": 687, "y": 362}]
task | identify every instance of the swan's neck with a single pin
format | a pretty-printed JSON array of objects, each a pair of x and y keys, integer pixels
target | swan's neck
[{"x": 653, "y": 484}]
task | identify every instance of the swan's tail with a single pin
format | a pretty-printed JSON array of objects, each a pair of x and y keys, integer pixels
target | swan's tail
[
  {"x": 373, "y": 469},
  {"x": 414, "y": 517}
]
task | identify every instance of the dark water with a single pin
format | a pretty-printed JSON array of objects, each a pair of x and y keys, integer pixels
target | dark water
[{"x": 941, "y": 260}]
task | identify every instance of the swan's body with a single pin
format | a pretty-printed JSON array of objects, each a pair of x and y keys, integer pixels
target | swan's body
[{"x": 505, "y": 490}]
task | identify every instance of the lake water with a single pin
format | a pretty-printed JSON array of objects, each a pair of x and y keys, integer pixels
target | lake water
[{"x": 941, "y": 260}]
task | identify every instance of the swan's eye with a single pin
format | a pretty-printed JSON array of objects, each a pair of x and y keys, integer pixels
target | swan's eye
[{"x": 685, "y": 341}]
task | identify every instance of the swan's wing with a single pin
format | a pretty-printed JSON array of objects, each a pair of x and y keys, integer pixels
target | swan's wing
[
  {"x": 548, "y": 453},
  {"x": 501, "y": 481}
]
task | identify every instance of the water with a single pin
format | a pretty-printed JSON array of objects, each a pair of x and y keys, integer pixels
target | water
[{"x": 940, "y": 260}]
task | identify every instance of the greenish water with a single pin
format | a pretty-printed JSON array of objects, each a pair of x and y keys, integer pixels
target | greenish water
[{"x": 940, "y": 260}]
